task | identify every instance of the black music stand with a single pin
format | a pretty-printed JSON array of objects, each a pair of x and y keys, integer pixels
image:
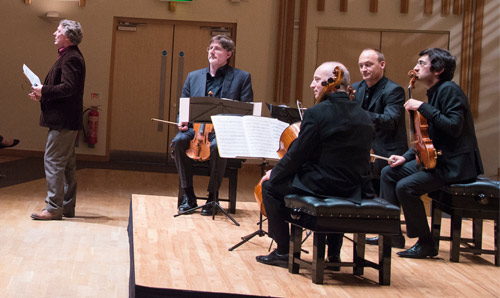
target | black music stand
[
  {"x": 200, "y": 109},
  {"x": 214, "y": 204},
  {"x": 284, "y": 113},
  {"x": 260, "y": 232}
]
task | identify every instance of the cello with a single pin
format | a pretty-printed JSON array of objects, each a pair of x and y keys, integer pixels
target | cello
[
  {"x": 290, "y": 134},
  {"x": 425, "y": 153}
]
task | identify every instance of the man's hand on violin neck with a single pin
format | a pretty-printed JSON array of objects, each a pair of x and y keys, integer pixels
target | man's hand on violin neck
[{"x": 412, "y": 104}]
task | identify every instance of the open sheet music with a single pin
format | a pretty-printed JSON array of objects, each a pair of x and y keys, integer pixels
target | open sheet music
[
  {"x": 248, "y": 136},
  {"x": 32, "y": 77}
]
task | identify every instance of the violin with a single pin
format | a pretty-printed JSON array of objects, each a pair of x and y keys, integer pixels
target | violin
[
  {"x": 199, "y": 147},
  {"x": 425, "y": 153}
]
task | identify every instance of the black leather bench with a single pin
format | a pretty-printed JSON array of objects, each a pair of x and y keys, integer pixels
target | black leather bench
[
  {"x": 201, "y": 169},
  {"x": 476, "y": 200},
  {"x": 337, "y": 215}
]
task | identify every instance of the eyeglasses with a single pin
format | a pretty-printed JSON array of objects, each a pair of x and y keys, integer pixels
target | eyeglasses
[
  {"x": 215, "y": 48},
  {"x": 421, "y": 63}
]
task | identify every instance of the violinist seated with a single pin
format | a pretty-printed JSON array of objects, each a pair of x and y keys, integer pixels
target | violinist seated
[
  {"x": 451, "y": 129},
  {"x": 330, "y": 157},
  {"x": 220, "y": 80}
]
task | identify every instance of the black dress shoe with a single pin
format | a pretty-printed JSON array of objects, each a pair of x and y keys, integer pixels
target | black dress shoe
[
  {"x": 396, "y": 241},
  {"x": 208, "y": 209},
  {"x": 419, "y": 251},
  {"x": 333, "y": 259},
  {"x": 14, "y": 143},
  {"x": 187, "y": 203},
  {"x": 274, "y": 259},
  {"x": 69, "y": 214}
]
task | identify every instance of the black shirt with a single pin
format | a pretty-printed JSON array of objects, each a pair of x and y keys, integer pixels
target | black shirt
[
  {"x": 214, "y": 84},
  {"x": 368, "y": 95}
]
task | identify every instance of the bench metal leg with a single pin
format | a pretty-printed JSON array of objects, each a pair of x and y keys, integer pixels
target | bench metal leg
[
  {"x": 233, "y": 185},
  {"x": 436, "y": 223},
  {"x": 359, "y": 254},
  {"x": 456, "y": 231},
  {"x": 384, "y": 260},
  {"x": 497, "y": 242},
  {"x": 477, "y": 234},
  {"x": 318, "y": 263},
  {"x": 295, "y": 249}
]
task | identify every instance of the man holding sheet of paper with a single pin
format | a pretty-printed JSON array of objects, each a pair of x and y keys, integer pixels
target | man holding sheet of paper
[
  {"x": 330, "y": 157},
  {"x": 61, "y": 102}
]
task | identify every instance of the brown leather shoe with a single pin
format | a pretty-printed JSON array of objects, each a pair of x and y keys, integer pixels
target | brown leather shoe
[{"x": 45, "y": 215}]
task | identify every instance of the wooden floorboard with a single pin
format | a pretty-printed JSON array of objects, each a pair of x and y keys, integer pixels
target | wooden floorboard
[{"x": 88, "y": 256}]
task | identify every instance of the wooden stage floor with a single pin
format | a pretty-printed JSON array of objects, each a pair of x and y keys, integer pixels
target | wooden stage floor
[{"x": 190, "y": 253}]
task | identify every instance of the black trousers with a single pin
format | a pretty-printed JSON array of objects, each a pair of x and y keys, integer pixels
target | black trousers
[
  {"x": 184, "y": 164},
  {"x": 404, "y": 185},
  {"x": 278, "y": 214}
]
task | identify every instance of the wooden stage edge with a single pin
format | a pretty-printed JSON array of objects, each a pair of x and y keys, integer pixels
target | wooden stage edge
[{"x": 188, "y": 255}]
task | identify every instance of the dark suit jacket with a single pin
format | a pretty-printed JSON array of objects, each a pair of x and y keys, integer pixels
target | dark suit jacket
[
  {"x": 451, "y": 130},
  {"x": 62, "y": 92},
  {"x": 388, "y": 115},
  {"x": 330, "y": 157},
  {"x": 237, "y": 84}
]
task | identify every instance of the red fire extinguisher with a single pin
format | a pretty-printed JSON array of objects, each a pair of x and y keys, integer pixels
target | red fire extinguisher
[{"x": 93, "y": 121}]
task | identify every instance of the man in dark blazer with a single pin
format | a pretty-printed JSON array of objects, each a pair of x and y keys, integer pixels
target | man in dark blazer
[
  {"x": 61, "y": 102},
  {"x": 330, "y": 157},
  {"x": 383, "y": 101},
  {"x": 218, "y": 80},
  {"x": 451, "y": 130}
]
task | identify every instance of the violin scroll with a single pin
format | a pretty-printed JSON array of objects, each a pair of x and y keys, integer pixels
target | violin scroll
[
  {"x": 331, "y": 83},
  {"x": 413, "y": 77},
  {"x": 351, "y": 92}
]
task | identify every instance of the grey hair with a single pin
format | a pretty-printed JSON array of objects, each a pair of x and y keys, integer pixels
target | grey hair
[{"x": 72, "y": 30}]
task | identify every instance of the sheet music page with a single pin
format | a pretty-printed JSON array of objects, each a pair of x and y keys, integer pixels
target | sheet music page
[
  {"x": 231, "y": 140},
  {"x": 248, "y": 136},
  {"x": 32, "y": 77},
  {"x": 263, "y": 135}
]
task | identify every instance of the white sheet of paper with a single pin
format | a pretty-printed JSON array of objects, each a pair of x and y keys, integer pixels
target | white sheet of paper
[
  {"x": 248, "y": 136},
  {"x": 32, "y": 77}
]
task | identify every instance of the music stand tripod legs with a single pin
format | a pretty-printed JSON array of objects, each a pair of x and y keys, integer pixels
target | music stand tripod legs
[
  {"x": 214, "y": 204},
  {"x": 260, "y": 232}
]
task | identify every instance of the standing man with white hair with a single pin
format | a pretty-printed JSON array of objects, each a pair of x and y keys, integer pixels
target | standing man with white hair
[{"x": 61, "y": 102}]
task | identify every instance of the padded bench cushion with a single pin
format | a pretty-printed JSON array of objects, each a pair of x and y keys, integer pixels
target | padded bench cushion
[
  {"x": 340, "y": 207},
  {"x": 337, "y": 215},
  {"x": 483, "y": 187},
  {"x": 482, "y": 194}
]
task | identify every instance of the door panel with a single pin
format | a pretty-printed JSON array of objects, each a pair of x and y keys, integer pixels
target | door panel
[
  {"x": 137, "y": 69},
  {"x": 136, "y": 87},
  {"x": 194, "y": 56},
  {"x": 345, "y": 46},
  {"x": 401, "y": 54}
]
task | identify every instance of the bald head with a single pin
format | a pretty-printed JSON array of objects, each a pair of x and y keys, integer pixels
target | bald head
[
  {"x": 326, "y": 71},
  {"x": 371, "y": 66}
]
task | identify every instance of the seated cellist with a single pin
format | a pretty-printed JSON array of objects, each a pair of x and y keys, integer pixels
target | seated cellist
[{"x": 330, "y": 157}]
